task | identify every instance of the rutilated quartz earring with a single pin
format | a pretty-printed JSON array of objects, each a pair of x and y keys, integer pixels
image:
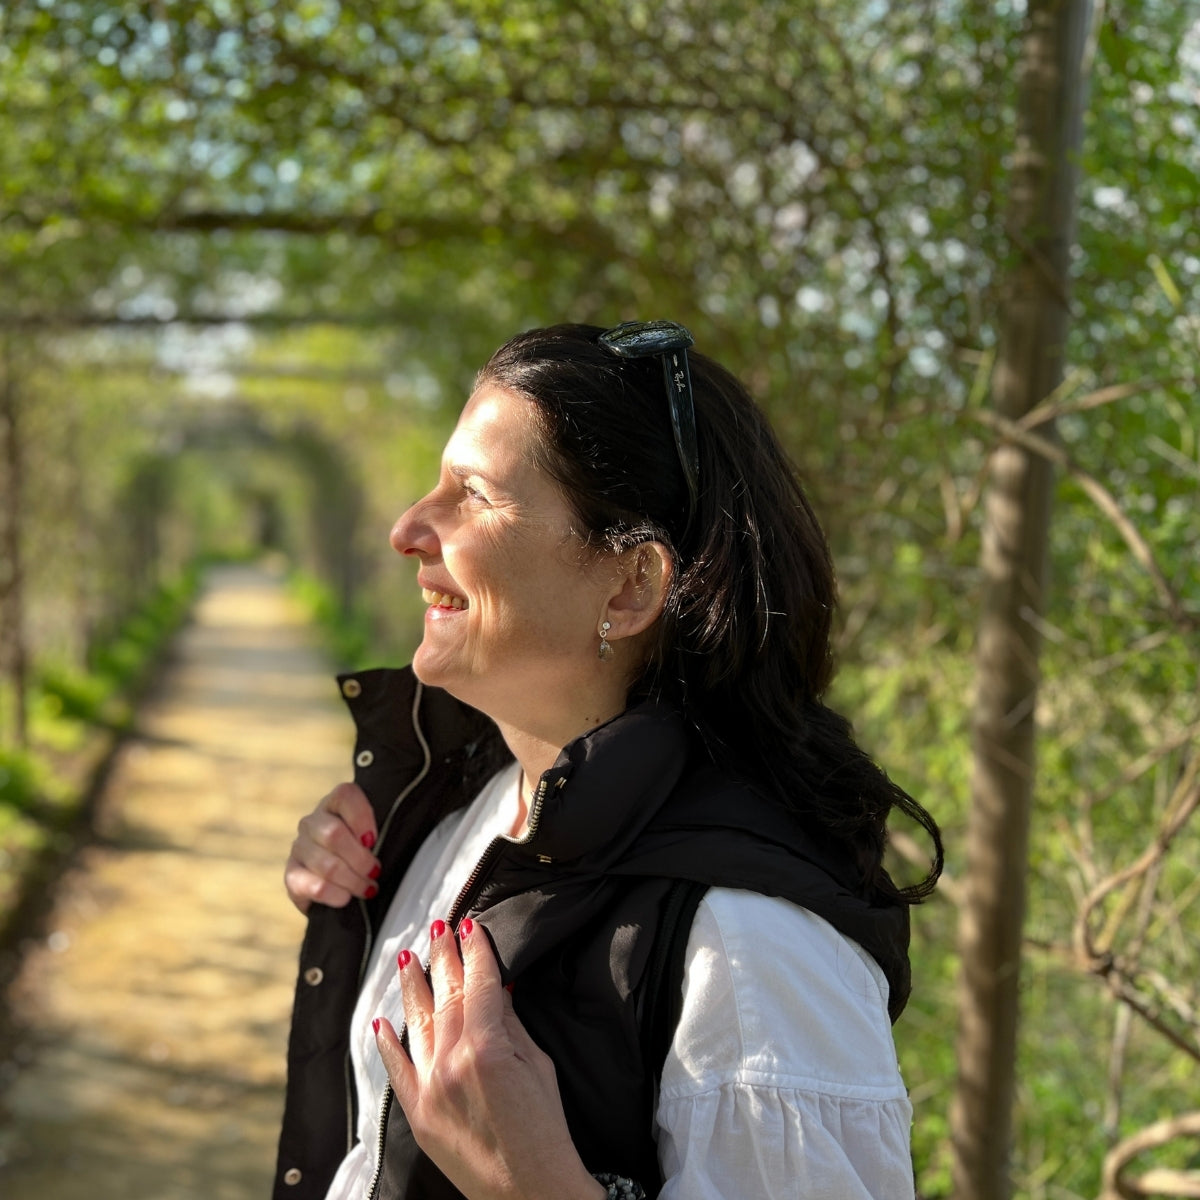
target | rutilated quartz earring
[{"x": 605, "y": 650}]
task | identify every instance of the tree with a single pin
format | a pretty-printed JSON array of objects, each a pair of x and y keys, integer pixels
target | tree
[{"x": 1029, "y": 368}]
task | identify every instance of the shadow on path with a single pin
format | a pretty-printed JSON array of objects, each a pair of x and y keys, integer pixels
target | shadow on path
[{"x": 154, "y": 1015}]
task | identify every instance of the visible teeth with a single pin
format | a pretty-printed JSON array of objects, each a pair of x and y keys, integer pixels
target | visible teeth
[{"x": 442, "y": 599}]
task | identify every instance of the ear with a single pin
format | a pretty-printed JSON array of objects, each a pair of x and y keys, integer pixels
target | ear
[{"x": 642, "y": 580}]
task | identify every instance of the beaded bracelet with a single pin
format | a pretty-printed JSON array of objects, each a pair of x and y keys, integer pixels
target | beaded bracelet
[{"x": 620, "y": 1188}]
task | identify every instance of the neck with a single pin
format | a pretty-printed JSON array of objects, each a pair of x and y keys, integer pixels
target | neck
[{"x": 536, "y": 749}]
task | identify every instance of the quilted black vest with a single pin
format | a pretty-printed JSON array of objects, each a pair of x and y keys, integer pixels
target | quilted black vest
[{"x": 573, "y": 912}]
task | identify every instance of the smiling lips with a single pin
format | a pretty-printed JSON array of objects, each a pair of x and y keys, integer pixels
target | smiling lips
[{"x": 442, "y": 599}]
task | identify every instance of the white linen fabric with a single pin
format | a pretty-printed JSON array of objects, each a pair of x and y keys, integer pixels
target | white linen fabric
[{"x": 781, "y": 1080}]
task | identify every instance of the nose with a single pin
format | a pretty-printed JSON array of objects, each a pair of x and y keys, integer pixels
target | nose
[{"x": 412, "y": 532}]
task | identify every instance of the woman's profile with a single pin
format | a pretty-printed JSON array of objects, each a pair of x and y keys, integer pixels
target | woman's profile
[{"x": 604, "y": 911}]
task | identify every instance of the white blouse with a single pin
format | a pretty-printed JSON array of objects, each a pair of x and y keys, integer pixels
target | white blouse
[{"x": 782, "y": 1079}]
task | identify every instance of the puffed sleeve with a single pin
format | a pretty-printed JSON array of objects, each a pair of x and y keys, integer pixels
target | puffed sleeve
[{"x": 782, "y": 1079}]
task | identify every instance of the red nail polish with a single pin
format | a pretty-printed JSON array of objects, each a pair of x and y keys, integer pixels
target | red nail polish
[
  {"x": 375, "y": 1026},
  {"x": 436, "y": 930},
  {"x": 403, "y": 959},
  {"x": 368, "y": 839},
  {"x": 464, "y": 929},
  {"x": 508, "y": 987},
  {"x": 375, "y": 872},
  {"x": 371, "y": 892}
]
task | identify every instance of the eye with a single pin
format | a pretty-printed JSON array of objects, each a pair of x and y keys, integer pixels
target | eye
[{"x": 472, "y": 492}]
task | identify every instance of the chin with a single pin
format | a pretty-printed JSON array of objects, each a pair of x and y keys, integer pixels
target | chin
[
  {"x": 434, "y": 673},
  {"x": 428, "y": 671},
  {"x": 462, "y": 685}
]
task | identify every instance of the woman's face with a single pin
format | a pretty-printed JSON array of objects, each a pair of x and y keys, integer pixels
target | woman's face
[{"x": 514, "y": 605}]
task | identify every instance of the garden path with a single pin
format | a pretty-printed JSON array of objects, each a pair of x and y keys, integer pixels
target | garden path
[{"x": 154, "y": 1014}]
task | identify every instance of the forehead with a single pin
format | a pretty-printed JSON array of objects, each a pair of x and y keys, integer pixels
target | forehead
[
  {"x": 496, "y": 433},
  {"x": 495, "y": 424}
]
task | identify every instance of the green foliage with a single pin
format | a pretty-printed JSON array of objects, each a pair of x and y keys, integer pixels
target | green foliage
[
  {"x": 347, "y": 634},
  {"x": 71, "y": 708},
  {"x": 19, "y": 780},
  {"x": 73, "y": 695},
  {"x": 122, "y": 660}
]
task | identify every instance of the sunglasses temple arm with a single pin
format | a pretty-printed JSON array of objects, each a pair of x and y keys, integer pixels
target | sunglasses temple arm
[{"x": 683, "y": 419}]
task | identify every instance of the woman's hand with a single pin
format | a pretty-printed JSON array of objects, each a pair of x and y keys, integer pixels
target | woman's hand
[
  {"x": 481, "y": 1098},
  {"x": 331, "y": 858}
]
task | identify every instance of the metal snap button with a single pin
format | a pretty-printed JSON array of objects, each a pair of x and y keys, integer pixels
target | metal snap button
[
  {"x": 313, "y": 976},
  {"x": 292, "y": 1176},
  {"x": 364, "y": 758},
  {"x": 351, "y": 688}
]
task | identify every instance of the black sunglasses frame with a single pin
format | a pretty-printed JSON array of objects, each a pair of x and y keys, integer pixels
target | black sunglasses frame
[{"x": 668, "y": 341}]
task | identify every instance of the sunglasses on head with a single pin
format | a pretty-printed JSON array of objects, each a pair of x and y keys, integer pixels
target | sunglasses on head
[{"x": 668, "y": 341}]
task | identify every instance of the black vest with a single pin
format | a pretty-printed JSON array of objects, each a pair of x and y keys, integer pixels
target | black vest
[{"x": 573, "y": 913}]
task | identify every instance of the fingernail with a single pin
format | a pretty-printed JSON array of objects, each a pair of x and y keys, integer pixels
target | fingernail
[
  {"x": 508, "y": 987},
  {"x": 436, "y": 930},
  {"x": 403, "y": 959},
  {"x": 375, "y": 872},
  {"x": 464, "y": 929},
  {"x": 368, "y": 839},
  {"x": 371, "y": 892},
  {"x": 375, "y": 1026}
]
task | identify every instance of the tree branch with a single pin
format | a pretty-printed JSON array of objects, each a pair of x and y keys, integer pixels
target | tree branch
[
  {"x": 1179, "y": 810},
  {"x": 1117, "y": 1184}
]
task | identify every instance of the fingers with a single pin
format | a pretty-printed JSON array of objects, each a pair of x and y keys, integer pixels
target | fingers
[
  {"x": 399, "y": 1066},
  {"x": 418, "y": 1008},
  {"x": 435, "y": 1010},
  {"x": 483, "y": 1103},
  {"x": 446, "y": 975},
  {"x": 439, "y": 1045},
  {"x": 303, "y": 886},
  {"x": 330, "y": 860},
  {"x": 349, "y": 802},
  {"x": 484, "y": 998},
  {"x": 487, "y": 1004}
]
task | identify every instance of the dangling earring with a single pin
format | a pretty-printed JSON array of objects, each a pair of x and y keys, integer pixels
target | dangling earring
[{"x": 605, "y": 649}]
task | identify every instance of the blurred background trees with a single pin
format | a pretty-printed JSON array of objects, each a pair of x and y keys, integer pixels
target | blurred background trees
[{"x": 252, "y": 253}]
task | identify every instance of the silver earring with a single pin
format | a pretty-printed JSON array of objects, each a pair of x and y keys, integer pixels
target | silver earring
[{"x": 605, "y": 648}]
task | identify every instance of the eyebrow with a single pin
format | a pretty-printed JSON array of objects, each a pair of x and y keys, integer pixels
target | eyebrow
[{"x": 461, "y": 473}]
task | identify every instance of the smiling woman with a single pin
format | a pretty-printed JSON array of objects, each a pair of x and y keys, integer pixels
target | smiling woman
[
  {"x": 519, "y": 597},
  {"x": 608, "y": 809}
]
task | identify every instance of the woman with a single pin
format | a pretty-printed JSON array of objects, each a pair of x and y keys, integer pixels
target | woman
[{"x": 663, "y": 951}]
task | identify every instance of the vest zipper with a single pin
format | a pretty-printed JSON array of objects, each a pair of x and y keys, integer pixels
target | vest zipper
[
  {"x": 380, "y": 1137},
  {"x": 486, "y": 860},
  {"x": 482, "y": 867}
]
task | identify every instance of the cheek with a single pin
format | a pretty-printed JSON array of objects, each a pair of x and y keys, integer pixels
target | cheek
[{"x": 500, "y": 613}]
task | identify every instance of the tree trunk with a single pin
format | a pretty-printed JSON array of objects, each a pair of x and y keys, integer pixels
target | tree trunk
[
  {"x": 1016, "y": 526},
  {"x": 12, "y": 595}
]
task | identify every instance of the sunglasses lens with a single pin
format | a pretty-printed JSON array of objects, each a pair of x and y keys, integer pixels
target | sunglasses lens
[{"x": 637, "y": 339}]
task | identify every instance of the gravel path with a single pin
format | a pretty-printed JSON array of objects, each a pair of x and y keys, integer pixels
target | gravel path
[{"x": 157, "y": 1008}]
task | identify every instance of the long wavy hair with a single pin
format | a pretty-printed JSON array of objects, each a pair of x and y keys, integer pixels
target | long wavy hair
[{"x": 743, "y": 645}]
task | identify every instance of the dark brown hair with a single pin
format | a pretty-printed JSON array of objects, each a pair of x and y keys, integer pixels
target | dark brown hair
[{"x": 743, "y": 645}]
